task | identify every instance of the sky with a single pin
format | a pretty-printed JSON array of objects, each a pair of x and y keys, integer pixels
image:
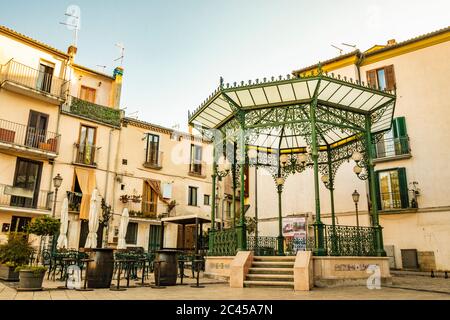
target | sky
[{"x": 177, "y": 50}]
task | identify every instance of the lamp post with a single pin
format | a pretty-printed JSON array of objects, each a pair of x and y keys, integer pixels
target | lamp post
[
  {"x": 280, "y": 183},
  {"x": 355, "y": 196},
  {"x": 57, "y": 181}
]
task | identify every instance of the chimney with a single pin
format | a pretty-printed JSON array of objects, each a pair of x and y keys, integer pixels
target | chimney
[
  {"x": 391, "y": 42},
  {"x": 72, "y": 51},
  {"x": 117, "y": 87}
]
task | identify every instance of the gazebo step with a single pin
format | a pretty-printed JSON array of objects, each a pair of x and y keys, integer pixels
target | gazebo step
[
  {"x": 270, "y": 277},
  {"x": 286, "y": 271},
  {"x": 270, "y": 284},
  {"x": 273, "y": 264},
  {"x": 274, "y": 258}
]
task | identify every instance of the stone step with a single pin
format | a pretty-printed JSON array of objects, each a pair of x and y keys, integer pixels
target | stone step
[
  {"x": 287, "y": 271},
  {"x": 268, "y": 284},
  {"x": 273, "y": 259},
  {"x": 270, "y": 277},
  {"x": 273, "y": 264}
]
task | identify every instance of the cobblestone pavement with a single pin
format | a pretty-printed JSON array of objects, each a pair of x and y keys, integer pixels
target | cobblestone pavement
[{"x": 221, "y": 291}]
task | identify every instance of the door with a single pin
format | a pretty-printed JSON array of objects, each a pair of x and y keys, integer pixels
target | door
[
  {"x": 154, "y": 239},
  {"x": 390, "y": 190},
  {"x": 86, "y": 149},
  {"x": 45, "y": 77},
  {"x": 36, "y": 129},
  {"x": 27, "y": 177}
]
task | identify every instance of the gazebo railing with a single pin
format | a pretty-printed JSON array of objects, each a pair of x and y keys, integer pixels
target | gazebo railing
[
  {"x": 350, "y": 241},
  {"x": 225, "y": 242}
]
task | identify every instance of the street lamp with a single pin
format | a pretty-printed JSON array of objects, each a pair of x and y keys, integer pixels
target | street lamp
[
  {"x": 57, "y": 181},
  {"x": 280, "y": 181},
  {"x": 355, "y": 196}
]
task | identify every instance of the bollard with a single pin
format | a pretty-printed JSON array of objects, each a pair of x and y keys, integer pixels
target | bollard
[{"x": 432, "y": 274}]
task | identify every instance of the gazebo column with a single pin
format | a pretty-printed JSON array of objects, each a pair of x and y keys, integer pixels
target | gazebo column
[
  {"x": 334, "y": 240},
  {"x": 212, "y": 230},
  {"x": 319, "y": 249},
  {"x": 379, "y": 247},
  {"x": 241, "y": 229},
  {"x": 233, "y": 195}
]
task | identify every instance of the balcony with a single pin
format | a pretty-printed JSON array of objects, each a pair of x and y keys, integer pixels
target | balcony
[
  {"x": 91, "y": 111},
  {"x": 392, "y": 201},
  {"x": 74, "y": 201},
  {"x": 18, "y": 138},
  {"x": 85, "y": 155},
  {"x": 197, "y": 169},
  {"x": 23, "y": 79},
  {"x": 21, "y": 198},
  {"x": 143, "y": 210},
  {"x": 392, "y": 149},
  {"x": 153, "y": 160}
]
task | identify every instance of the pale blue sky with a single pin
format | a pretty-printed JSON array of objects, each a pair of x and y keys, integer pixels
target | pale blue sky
[{"x": 175, "y": 51}]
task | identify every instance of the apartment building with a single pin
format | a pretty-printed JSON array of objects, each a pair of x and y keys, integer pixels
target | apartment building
[
  {"x": 411, "y": 159},
  {"x": 59, "y": 117}
]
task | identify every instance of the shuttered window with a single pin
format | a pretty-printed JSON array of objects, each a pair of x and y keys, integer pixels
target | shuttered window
[
  {"x": 132, "y": 233},
  {"x": 87, "y": 94},
  {"x": 395, "y": 142},
  {"x": 392, "y": 189},
  {"x": 382, "y": 78}
]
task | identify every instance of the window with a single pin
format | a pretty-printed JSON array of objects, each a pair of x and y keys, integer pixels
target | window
[
  {"x": 19, "y": 224},
  {"x": 207, "y": 200},
  {"x": 196, "y": 159},
  {"x": 45, "y": 76},
  {"x": 132, "y": 233},
  {"x": 27, "y": 179},
  {"x": 152, "y": 154},
  {"x": 382, "y": 78},
  {"x": 87, "y": 94},
  {"x": 395, "y": 142},
  {"x": 37, "y": 129},
  {"x": 150, "y": 198},
  {"x": 392, "y": 189},
  {"x": 86, "y": 146},
  {"x": 192, "y": 200}
]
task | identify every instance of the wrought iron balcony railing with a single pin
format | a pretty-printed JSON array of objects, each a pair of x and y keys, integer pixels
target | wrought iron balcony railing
[
  {"x": 92, "y": 111},
  {"x": 197, "y": 169},
  {"x": 30, "y": 137},
  {"x": 74, "y": 201},
  {"x": 153, "y": 159},
  {"x": 25, "y": 198},
  {"x": 86, "y": 154},
  {"x": 42, "y": 82},
  {"x": 392, "y": 147}
]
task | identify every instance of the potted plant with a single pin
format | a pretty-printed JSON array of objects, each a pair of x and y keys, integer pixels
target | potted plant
[
  {"x": 31, "y": 277},
  {"x": 17, "y": 251},
  {"x": 43, "y": 226}
]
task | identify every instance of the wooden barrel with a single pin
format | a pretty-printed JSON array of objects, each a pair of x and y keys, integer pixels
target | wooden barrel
[
  {"x": 169, "y": 267},
  {"x": 100, "y": 270}
]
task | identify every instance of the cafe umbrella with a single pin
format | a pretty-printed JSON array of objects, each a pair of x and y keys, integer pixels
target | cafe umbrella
[
  {"x": 123, "y": 229},
  {"x": 62, "y": 239},
  {"x": 91, "y": 241}
]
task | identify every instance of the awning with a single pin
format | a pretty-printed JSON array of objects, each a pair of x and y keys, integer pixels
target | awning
[
  {"x": 87, "y": 182},
  {"x": 188, "y": 219}
]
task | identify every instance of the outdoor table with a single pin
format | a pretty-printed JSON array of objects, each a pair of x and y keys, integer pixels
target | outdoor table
[
  {"x": 85, "y": 261},
  {"x": 144, "y": 263},
  {"x": 129, "y": 265},
  {"x": 197, "y": 268},
  {"x": 101, "y": 269}
]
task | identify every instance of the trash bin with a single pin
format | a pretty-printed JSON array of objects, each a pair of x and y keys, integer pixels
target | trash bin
[
  {"x": 100, "y": 270},
  {"x": 169, "y": 267}
]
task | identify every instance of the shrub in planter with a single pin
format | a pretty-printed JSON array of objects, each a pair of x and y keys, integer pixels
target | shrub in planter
[
  {"x": 43, "y": 226},
  {"x": 31, "y": 277},
  {"x": 17, "y": 251}
]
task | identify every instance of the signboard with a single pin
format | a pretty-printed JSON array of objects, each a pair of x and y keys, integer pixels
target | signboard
[{"x": 295, "y": 232}]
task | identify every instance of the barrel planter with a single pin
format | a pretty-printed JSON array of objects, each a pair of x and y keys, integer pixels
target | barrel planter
[
  {"x": 169, "y": 267},
  {"x": 100, "y": 271},
  {"x": 8, "y": 274},
  {"x": 30, "y": 280}
]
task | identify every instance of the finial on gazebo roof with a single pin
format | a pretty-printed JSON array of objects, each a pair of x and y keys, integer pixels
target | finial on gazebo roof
[
  {"x": 221, "y": 82},
  {"x": 319, "y": 68}
]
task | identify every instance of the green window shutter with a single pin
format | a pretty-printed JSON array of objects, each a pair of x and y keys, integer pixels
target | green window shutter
[
  {"x": 403, "y": 187},
  {"x": 401, "y": 136},
  {"x": 377, "y": 189}
]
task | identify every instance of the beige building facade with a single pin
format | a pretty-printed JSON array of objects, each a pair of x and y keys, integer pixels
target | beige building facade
[
  {"x": 411, "y": 159},
  {"x": 59, "y": 117}
]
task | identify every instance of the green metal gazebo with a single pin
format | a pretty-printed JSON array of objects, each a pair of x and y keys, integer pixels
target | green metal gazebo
[{"x": 290, "y": 124}]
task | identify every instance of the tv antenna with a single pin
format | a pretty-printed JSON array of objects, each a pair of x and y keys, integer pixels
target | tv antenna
[
  {"x": 73, "y": 14},
  {"x": 349, "y": 45},
  {"x": 340, "y": 50},
  {"x": 122, "y": 51}
]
